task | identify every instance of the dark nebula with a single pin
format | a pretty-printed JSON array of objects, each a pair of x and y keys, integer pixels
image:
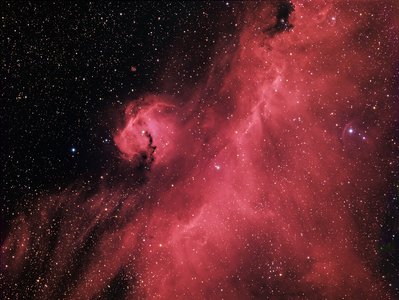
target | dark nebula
[
  {"x": 161, "y": 150},
  {"x": 284, "y": 10}
]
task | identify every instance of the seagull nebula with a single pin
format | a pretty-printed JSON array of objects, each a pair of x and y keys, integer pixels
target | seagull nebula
[{"x": 273, "y": 177}]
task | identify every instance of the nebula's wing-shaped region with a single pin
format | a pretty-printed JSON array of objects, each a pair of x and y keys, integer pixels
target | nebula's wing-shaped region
[{"x": 266, "y": 182}]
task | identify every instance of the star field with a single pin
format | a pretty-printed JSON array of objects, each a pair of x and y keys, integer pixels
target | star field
[{"x": 200, "y": 150}]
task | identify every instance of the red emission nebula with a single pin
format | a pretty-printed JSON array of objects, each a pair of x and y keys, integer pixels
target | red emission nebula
[{"x": 263, "y": 181}]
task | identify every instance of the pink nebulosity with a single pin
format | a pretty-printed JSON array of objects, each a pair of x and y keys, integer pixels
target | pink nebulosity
[
  {"x": 255, "y": 186},
  {"x": 145, "y": 122}
]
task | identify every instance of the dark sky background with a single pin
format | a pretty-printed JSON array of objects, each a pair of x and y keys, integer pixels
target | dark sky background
[{"x": 66, "y": 70}]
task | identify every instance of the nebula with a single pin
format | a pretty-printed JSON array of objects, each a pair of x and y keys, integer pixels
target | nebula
[{"x": 264, "y": 181}]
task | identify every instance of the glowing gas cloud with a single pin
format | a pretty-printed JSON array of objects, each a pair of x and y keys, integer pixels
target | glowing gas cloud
[{"x": 263, "y": 182}]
